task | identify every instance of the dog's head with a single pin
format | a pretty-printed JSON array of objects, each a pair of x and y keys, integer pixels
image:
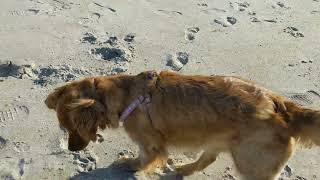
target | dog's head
[{"x": 79, "y": 110}]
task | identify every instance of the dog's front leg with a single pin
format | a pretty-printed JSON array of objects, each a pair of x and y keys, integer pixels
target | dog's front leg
[
  {"x": 150, "y": 156},
  {"x": 114, "y": 119}
]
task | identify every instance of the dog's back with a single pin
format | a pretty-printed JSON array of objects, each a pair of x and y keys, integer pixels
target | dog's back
[{"x": 194, "y": 109}]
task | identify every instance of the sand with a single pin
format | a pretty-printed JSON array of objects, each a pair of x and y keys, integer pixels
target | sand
[{"x": 45, "y": 43}]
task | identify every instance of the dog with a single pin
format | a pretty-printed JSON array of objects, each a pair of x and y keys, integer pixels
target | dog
[{"x": 215, "y": 114}]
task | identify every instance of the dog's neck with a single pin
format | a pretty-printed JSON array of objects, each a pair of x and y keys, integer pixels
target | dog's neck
[
  {"x": 122, "y": 90},
  {"x": 117, "y": 95}
]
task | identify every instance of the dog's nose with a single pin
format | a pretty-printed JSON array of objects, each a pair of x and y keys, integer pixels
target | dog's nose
[
  {"x": 76, "y": 143},
  {"x": 74, "y": 148},
  {"x": 77, "y": 147}
]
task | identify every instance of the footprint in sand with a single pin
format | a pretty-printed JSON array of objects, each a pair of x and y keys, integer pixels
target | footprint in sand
[
  {"x": 239, "y": 6},
  {"x": 129, "y": 37},
  {"x": 9, "y": 69},
  {"x": 11, "y": 111},
  {"x": 190, "y": 33},
  {"x": 109, "y": 53},
  {"x": 231, "y": 20},
  {"x": 93, "y": 17},
  {"x": 41, "y": 76},
  {"x": 114, "y": 50},
  {"x": 51, "y": 75},
  {"x": 293, "y": 31},
  {"x": 226, "y": 22},
  {"x": 21, "y": 146},
  {"x": 113, "y": 40},
  {"x": 309, "y": 98},
  {"x": 178, "y": 61},
  {"x": 27, "y": 12},
  {"x": 89, "y": 38},
  {"x": 85, "y": 161}
]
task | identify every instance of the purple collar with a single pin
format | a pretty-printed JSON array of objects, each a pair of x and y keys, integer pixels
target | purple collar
[{"x": 133, "y": 105}]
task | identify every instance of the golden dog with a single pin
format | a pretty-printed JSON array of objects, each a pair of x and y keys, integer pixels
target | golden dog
[{"x": 212, "y": 113}]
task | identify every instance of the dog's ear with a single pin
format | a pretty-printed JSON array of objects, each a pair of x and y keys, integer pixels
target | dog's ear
[
  {"x": 81, "y": 103},
  {"x": 87, "y": 115}
]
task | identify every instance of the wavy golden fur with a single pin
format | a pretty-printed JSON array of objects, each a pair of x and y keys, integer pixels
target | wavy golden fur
[{"x": 212, "y": 113}]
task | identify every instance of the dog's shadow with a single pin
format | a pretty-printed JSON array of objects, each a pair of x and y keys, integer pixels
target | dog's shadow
[{"x": 120, "y": 171}]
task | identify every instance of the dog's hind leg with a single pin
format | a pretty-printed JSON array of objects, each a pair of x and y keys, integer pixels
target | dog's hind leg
[
  {"x": 206, "y": 158},
  {"x": 257, "y": 159}
]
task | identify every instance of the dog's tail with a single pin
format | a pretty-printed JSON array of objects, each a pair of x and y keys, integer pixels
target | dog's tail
[{"x": 304, "y": 123}]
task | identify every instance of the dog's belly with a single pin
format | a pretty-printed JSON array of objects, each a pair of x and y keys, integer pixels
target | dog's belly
[
  {"x": 220, "y": 141},
  {"x": 194, "y": 129}
]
